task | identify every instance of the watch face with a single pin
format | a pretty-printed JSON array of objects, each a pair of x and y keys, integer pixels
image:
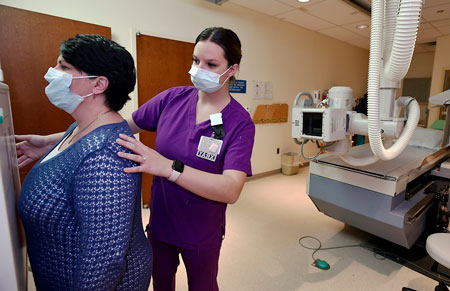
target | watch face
[{"x": 178, "y": 166}]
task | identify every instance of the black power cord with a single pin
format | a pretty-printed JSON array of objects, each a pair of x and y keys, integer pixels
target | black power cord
[
  {"x": 378, "y": 253},
  {"x": 322, "y": 264}
]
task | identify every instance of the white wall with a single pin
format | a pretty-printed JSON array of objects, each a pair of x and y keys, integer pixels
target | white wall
[{"x": 292, "y": 58}]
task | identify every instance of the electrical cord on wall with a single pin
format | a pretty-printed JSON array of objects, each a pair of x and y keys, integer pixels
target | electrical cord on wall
[{"x": 378, "y": 253}]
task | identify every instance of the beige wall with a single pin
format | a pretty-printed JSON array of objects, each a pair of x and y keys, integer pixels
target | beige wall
[
  {"x": 292, "y": 58},
  {"x": 441, "y": 64},
  {"x": 421, "y": 66}
]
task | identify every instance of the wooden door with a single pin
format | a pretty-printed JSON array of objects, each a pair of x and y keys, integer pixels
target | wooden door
[
  {"x": 29, "y": 46},
  {"x": 161, "y": 64}
]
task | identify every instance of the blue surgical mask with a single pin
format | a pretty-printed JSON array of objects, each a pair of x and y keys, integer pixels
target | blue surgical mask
[
  {"x": 205, "y": 80},
  {"x": 58, "y": 90}
]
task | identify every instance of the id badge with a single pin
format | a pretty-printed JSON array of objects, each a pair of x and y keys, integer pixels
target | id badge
[{"x": 209, "y": 148}]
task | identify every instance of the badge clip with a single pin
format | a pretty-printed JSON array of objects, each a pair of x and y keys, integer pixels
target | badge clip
[
  {"x": 217, "y": 125},
  {"x": 218, "y": 131}
]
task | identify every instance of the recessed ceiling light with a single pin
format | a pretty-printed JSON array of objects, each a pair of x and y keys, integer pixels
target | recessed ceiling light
[
  {"x": 303, "y": 1},
  {"x": 362, "y": 26}
]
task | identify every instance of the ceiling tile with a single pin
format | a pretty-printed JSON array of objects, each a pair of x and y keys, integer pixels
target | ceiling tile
[
  {"x": 427, "y": 35},
  {"x": 440, "y": 23},
  {"x": 444, "y": 29},
  {"x": 336, "y": 11},
  {"x": 335, "y": 17},
  {"x": 431, "y": 14},
  {"x": 303, "y": 19},
  {"x": 430, "y": 3},
  {"x": 363, "y": 32},
  {"x": 340, "y": 33},
  {"x": 269, "y": 7},
  {"x": 362, "y": 43},
  {"x": 425, "y": 25},
  {"x": 296, "y": 4}
]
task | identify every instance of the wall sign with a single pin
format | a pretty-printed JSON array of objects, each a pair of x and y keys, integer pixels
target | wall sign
[{"x": 238, "y": 86}]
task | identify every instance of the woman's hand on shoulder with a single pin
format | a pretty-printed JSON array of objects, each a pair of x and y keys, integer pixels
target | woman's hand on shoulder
[{"x": 150, "y": 161}]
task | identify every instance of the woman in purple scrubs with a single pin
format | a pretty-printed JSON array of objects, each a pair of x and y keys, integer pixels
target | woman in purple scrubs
[{"x": 200, "y": 161}]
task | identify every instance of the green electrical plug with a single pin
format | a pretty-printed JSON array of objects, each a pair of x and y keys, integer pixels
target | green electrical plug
[{"x": 321, "y": 264}]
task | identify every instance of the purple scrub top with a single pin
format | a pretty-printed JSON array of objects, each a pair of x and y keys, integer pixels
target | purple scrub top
[{"x": 179, "y": 216}]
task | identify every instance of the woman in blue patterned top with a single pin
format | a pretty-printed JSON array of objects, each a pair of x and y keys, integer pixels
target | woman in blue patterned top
[{"x": 80, "y": 210}]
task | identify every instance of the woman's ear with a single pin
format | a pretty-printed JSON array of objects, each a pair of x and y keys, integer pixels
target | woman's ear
[
  {"x": 101, "y": 84},
  {"x": 233, "y": 70}
]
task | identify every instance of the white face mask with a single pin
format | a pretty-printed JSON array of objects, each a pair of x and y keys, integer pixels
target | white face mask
[
  {"x": 58, "y": 90},
  {"x": 206, "y": 81}
]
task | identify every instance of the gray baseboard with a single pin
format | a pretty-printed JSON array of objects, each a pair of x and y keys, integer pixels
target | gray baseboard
[
  {"x": 270, "y": 173},
  {"x": 264, "y": 174}
]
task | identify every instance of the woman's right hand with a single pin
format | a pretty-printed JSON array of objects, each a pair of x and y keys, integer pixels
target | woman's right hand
[
  {"x": 150, "y": 161},
  {"x": 31, "y": 147}
]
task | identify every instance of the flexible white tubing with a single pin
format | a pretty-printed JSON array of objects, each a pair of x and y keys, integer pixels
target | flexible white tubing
[
  {"x": 399, "y": 40},
  {"x": 400, "y": 143},
  {"x": 402, "y": 34},
  {"x": 376, "y": 37},
  {"x": 364, "y": 161},
  {"x": 300, "y": 95},
  {"x": 374, "y": 84},
  {"x": 403, "y": 140},
  {"x": 390, "y": 21}
]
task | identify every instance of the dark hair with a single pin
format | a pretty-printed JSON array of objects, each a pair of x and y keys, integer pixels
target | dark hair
[
  {"x": 227, "y": 40},
  {"x": 99, "y": 56}
]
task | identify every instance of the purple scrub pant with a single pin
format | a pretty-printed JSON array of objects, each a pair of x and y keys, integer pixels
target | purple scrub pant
[{"x": 201, "y": 267}]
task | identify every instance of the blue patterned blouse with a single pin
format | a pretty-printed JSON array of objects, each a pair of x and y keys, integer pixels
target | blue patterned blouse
[{"x": 82, "y": 217}]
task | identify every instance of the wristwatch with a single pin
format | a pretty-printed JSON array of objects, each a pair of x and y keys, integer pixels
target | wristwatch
[{"x": 177, "y": 169}]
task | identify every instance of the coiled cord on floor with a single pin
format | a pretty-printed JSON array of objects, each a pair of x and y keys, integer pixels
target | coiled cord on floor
[
  {"x": 378, "y": 253},
  {"x": 375, "y": 251}
]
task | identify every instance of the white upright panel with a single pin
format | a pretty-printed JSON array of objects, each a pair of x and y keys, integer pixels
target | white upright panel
[{"x": 12, "y": 262}]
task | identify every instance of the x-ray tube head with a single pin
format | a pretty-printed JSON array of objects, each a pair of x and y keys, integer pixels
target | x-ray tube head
[{"x": 341, "y": 97}]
